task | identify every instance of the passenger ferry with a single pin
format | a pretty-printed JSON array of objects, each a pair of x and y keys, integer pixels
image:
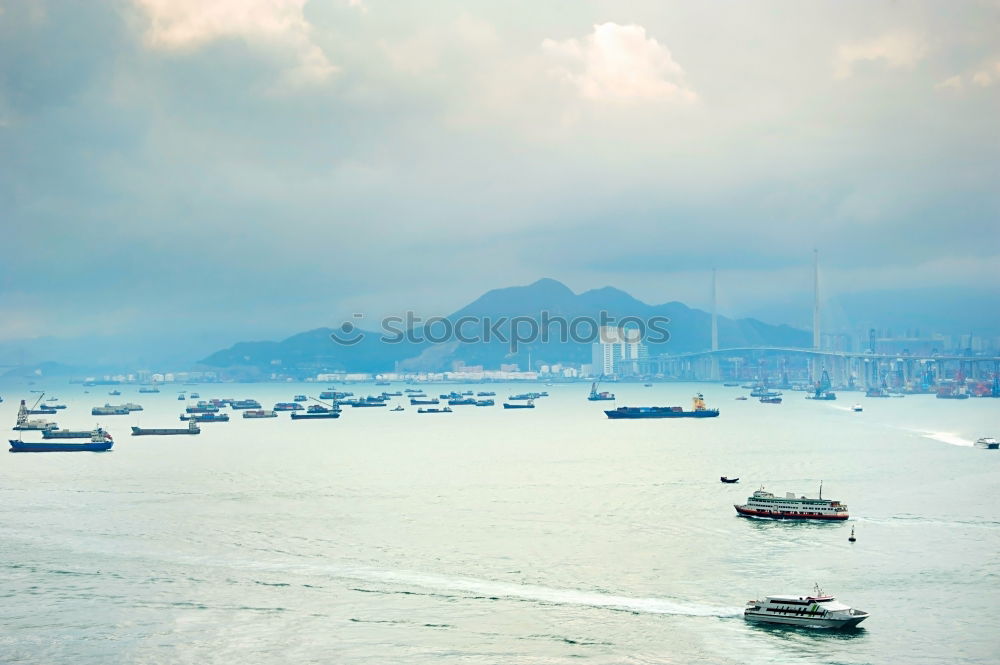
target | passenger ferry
[
  {"x": 816, "y": 611},
  {"x": 765, "y": 504}
]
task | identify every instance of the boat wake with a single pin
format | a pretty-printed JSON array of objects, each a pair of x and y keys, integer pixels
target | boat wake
[
  {"x": 491, "y": 590},
  {"x": 946, "y": 437}
]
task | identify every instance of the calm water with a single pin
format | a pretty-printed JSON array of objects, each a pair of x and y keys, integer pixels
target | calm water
[{"x": 489, "y": 536}]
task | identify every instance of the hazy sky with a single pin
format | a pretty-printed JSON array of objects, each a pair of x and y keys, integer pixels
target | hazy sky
[{"x": 267, "y": 166}]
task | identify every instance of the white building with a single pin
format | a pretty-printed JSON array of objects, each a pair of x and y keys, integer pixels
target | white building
[{"x": 618, "y": 352}]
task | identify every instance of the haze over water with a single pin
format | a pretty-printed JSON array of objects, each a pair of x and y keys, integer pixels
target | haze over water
[{"x": 485, "y": 536}]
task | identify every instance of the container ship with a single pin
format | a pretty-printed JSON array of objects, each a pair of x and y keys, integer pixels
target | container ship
[
  {"x": 765, "y": 504},
  {"x": 638, "y": 412}
]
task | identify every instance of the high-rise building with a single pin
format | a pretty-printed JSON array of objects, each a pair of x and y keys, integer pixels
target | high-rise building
[{"x": 618, "y": 352}]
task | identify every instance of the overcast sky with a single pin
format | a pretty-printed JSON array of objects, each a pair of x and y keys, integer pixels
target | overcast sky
[{"x": 267, "y": 166}]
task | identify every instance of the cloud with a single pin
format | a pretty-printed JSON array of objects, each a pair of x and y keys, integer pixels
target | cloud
[
  {"x": 896, "y": 50},
  {"x": 984, "y": 78},
  {"x": 186, "y": 25},
  {"x": 619, "y": 63}
]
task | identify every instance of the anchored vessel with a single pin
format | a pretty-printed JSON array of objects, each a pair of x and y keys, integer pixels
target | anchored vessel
[
  {"x": 100, "y": 440},
  {"x": 988, "y": 442},
  {"x": 259, "y": 413},
  {"x": 790, "y": 507},
  {"x": 68, "y": 433},
  {"x": 599, "y": 396},
  {"x": 632, "y": 412},
  {"x": 530, "y": 404},
  {"x": 192, "y": 428},
  {"x": 317, "y": 412},
  {"x": 816, "y": 611}
]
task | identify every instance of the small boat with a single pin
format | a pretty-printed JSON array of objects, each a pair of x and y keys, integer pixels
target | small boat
[
  {"x": 988, "y": 442},
  {"x": 99, "y": 441},
  {"x": 300, "y": 398},
  {"x": 647, "y": 385},
  {"x": 485, "y": 402},
  {"x": 731, "y": 385},
  {"x": 530, "y": 404},
  {"x": 398, "y": 408},
  {"x": 816, "y": 611},
  {"x": 741, "y": 398},
  {"x": 857, "y": 408},
  {"x": 487, "y": 393},
  {"x": 726, "y": 479},
  {"x": 192, "y": 428},
  {"x": 181, "y": 398},
  {"x": 115, "y": 392},
  {"x": 194, "y": 395},
  {"x": 770, "y": 400},
  {"x": 152, "y": 389},
  {"x": 444, "y": 410}
]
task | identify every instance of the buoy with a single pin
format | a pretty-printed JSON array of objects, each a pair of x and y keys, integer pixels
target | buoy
[{"x": 851, "y": 538}]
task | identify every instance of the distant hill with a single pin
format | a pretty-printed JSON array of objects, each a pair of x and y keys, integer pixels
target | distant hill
[{"x": 690, "y": 330}]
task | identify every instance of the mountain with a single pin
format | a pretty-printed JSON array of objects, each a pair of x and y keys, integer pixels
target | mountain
[{"x": 545, "y": 300}]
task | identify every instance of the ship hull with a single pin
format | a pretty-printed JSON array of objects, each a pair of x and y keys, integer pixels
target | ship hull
[
  {"x": 48, "y": 447},
  {"x": 744, "y": 511},
  {"x": 315, "y": 416},
  {"x": 66, "y": 434},
  {"x": 167, "y": 431},
  {"x": 641, "y": 415},
  {"x": 807, "y": 622}
]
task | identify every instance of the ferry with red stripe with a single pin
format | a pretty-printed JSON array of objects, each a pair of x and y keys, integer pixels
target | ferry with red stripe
[{"x": 790, "y": 507}]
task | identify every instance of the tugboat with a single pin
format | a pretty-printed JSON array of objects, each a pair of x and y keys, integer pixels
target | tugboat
[
  {"x": 726, "y": 479},
  {"x": 988, "y": 442},
  {"x": 599, "y": 397},
  {"x": 766, "y": 505},
  {"x": 633, "y": 412},
  {"x": 99, "y": 441},
  {"x": 816, "y": 611},
  {"x": 857, "y": 408}
]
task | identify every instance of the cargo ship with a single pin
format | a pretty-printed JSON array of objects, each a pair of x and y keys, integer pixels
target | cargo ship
[
  {"x": 765, "y": 504},
  {"x": 259, "y": 413},
  {"x": 639, "y": 412},
  {"x": 288, "y": 406},
  {"x": 530, "y": 404},
  {"x": 444, "y": 410},
  {"x": 416, "y": 402},
  {"x": 109, "y": 410},
  {"x": 206, "y": 417},
  {"x": 245, "y": 404},
  {"x": 68, "y": 433},
  {"x": 317, "y": 412},
  {"x": 192, "y": 428},
  {"x": 99, "y": 441}
]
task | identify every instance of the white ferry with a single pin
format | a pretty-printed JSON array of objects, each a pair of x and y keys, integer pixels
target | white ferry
[
  {"x": 817, "y": 611},
  {"x": 790, "y": 507}
]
